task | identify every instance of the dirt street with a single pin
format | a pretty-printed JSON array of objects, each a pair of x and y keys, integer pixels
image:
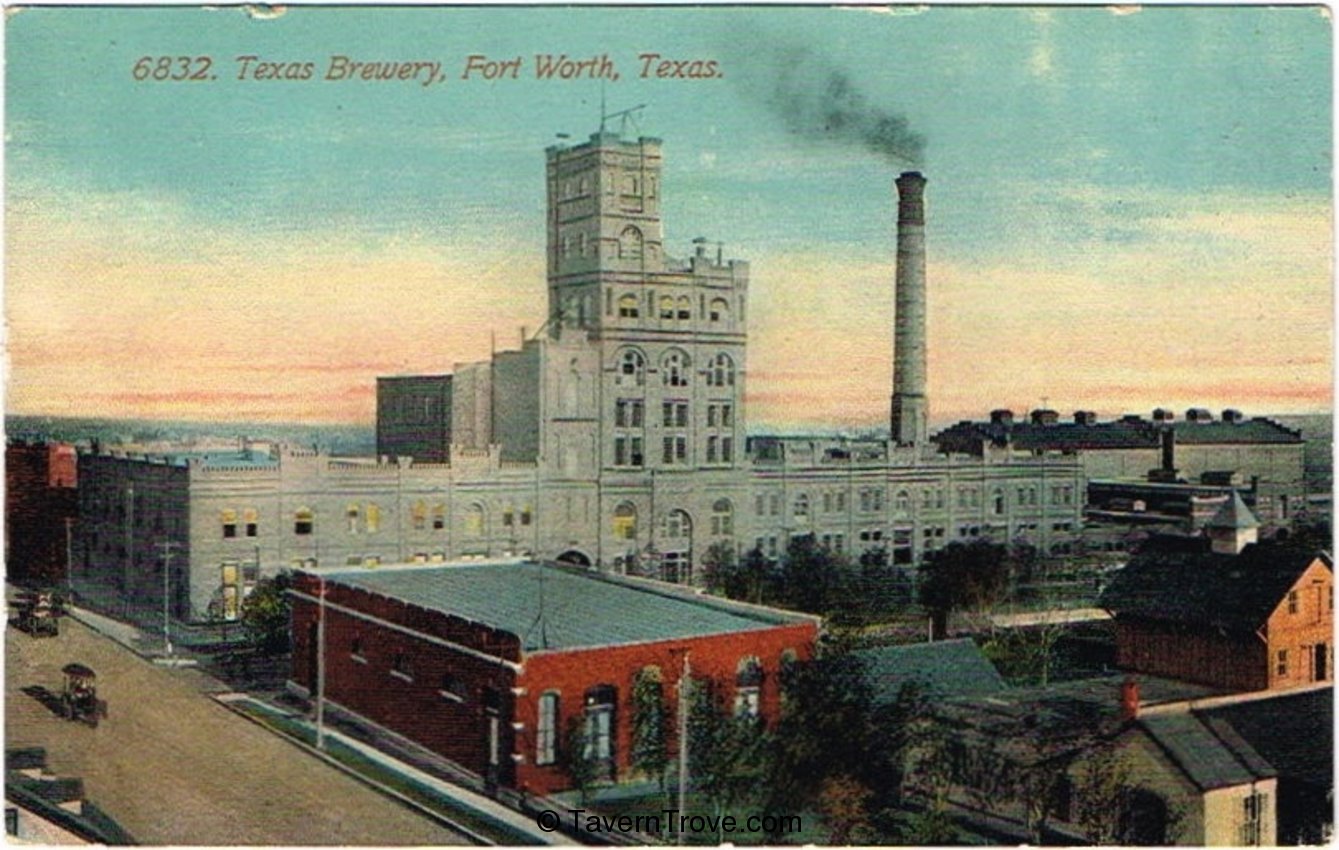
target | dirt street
[{"x": 173, "y": 767}]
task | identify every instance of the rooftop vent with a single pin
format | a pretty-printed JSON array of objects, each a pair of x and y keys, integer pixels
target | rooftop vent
[
  {"x": 1045, "y": 417},
  {"x": 1198, "y": 414}
]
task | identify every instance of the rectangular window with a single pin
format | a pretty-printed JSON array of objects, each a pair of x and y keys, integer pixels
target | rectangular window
[
  {"x": 1252, "y": 815},
  {"x": 760, "y": 505},
  {"x": 526, "y": 515},
  {"x": 621, "y": 414},
  {"x": 230, "y": 529},
  {"x": 667, "y": 454},
  {"x": 711, "y": 416},
  {"x": 667, "y": 414},
  {"x": 711, "y": 450},
  {"x": 1292, "y": 600},
  {"x": 546, "y": 730},
  {"x": 637, "y": 410},
  {"x": 635, "y": 454},
  {"x": 681, "y": 415},
  {"x": 680, "y": 449},
  {"x": 726, "y": 416},
  {"x": 1282, "y": 668},
  {"x": 727, "y": 449},
  {"x": 620, "y": 451},
  {"x": 508, "y": 518},
  {"x": 841, "y": 502}
]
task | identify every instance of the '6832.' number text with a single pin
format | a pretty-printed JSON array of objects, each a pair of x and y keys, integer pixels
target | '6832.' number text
[{"x": 172, "y": 68}]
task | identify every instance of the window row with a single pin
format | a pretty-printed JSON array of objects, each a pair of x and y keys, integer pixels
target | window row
[
  {"x": 647, "y": 708},
  {"x": 250, "y": 524},
  {"x": 677, "y": 524},
  {"x": 666, "y": 308},
  {"x": 675, "y": 369}
]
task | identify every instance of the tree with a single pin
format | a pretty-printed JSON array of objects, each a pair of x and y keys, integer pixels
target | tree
[
  {"x": 963, "y": 576},
  {"x": 266, "y": 614},
  {"x": 812, "y": 577},
  {"x": 1102, "y": 794},
  {"x": 575, "y": 759},
  {"x": 824, "y": 731},
  {"x": 844, "y": 802},
  {"x": 650, "y": 752},
  {"x": 728, "y": 755}
]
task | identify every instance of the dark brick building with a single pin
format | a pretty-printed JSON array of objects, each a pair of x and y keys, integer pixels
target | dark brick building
[
  {"x": 1254, "y": 621},
  {"x": 491, "y": 664},
  {"x": 414, "y": 417},
  {"x": 41, "y": 505}
]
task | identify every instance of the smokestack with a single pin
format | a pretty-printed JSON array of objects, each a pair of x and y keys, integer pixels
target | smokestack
[{"x": 910, "y": 409}]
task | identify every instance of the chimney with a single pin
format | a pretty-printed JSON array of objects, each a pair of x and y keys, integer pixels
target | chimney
[
  {"x": 1042, "y": 416},
  {"x": 1129, "y": 699},
  {"x": 1163, "y": 414},
  {"x": 1002, "y": 416},
  {"x": 1168, "y": 438},
  {"x": 910, "y": 408},
  {"x": 1085, "y": 417}
]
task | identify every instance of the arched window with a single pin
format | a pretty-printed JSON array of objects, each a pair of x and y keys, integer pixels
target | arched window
[
  {"x": 902, "y": 501},
  {"x": 303, "y": 520},
  {"x": 251, "y": 521},
  {"x": 748, "y": 686},
  {"x": 627, "y": 307},
  {"x": 802, "y": 506},
  {"x": 675, "y": 369},
  {"x": 625, "y": 521},
  {"x": 678, "y": 525},
  {"x": 666, "y": 307},
  {"x": 998, "y": 499},
  {"x": 722, "y": 518},
  {"x": 228, "y": 519},
  {"x": 373, "y": 518},
  {"x": 438, "y": 517},
  {"x": 685, "y": 308},
  {"x": 474, "y": 520},
  {"x": 351, "y": 515},
  {"x": 630, "y": 243},
  {"x": 722, "y": 371},
  {"x": 598, "y": 738},
  {"x": 631, "y": 369},
  {"x": 546, "y": 731},
  {"x": 720, "y": 310}
]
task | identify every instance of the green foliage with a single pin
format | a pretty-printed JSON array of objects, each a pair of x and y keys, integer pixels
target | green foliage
[
  {"x": 649, "y": 718},
  {"x": 266, "y": 613},
  {"x": 813, "y": 579},
  {"x": 964, "y": 576},
  {"x": 1024, "y": 656},
  {"x": 844, "y": 802},
  {"x": 573, "y": 759},
  {"x": 1101, "y": 794},
  {"x": 827, "y": 729},
  {"x": 728, "y": 756}
]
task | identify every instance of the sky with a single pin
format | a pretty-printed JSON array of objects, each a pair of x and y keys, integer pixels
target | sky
[{"x": 1127, "y": 207}]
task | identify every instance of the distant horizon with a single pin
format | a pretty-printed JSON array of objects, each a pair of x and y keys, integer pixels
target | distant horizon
[{"x": 936, "y": 423}]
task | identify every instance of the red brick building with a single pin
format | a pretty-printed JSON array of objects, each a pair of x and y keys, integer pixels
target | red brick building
[
  {"x": 490, "y": 664},
  {"x": 41, "y": 504},
  {"x": 1258, "y": 620}
]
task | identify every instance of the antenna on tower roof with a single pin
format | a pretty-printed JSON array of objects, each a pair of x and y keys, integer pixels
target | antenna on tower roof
[{"x": 624, "y": 115}]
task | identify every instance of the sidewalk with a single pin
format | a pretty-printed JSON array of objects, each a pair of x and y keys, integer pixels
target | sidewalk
[{"x": 515, "y": 824}]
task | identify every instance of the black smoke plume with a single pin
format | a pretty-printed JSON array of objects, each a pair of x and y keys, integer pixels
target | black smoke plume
[{"x": 818, "y": 101}]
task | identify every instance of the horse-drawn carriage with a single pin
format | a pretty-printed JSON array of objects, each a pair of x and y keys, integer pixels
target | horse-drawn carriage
[
  {"x": 79, "y": 698},
  {"x": 39, "y": 613}
]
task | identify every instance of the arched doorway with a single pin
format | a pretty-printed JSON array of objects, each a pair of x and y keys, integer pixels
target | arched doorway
[{"x": 575, "y": 557}]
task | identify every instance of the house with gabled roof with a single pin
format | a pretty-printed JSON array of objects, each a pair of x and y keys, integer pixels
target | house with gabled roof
[{"x": 1228, "y": 612}]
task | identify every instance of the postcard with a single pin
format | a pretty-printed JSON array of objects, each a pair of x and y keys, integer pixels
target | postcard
[{"x": 902, "y": 424}]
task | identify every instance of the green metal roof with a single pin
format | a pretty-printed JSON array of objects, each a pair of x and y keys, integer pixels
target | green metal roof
[
  {"x": 949, "y": 668},
  {"x": 550, "y": 607}
]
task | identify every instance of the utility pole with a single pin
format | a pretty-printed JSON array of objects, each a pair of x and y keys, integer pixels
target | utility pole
[
  {"x": 69, "y": 559},
  {"x": 684, "y": 683},
  {"x": 167, "y": 546}
]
